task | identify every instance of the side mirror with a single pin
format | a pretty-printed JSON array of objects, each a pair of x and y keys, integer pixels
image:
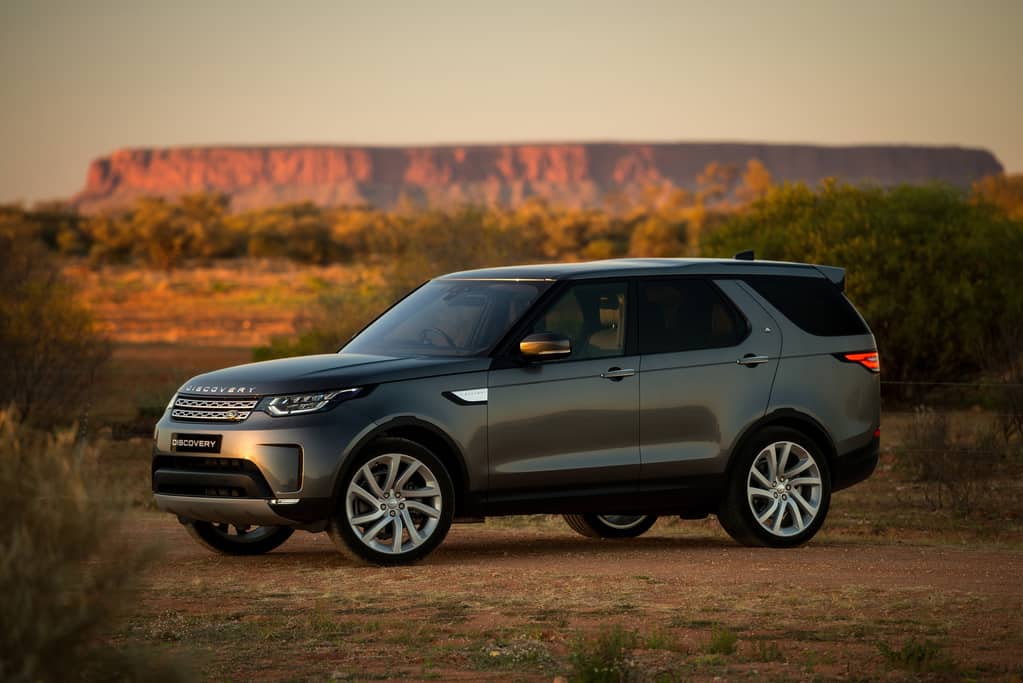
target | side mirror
[{"x": 545, "y": 346}]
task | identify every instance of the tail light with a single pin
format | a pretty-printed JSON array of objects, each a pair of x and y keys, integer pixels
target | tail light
[{"x": 870, "y": 360}]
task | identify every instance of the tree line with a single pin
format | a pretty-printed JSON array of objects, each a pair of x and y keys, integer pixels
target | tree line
[{"x": 934, "y": 269}]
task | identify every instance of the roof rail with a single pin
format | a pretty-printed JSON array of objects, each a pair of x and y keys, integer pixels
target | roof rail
[{"x": 744, "y": 255}]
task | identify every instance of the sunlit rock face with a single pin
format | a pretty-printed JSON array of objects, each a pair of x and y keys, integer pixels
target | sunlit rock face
[{"x": 567, "y": 174}]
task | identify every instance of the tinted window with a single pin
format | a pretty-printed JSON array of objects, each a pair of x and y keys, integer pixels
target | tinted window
[
  {"x": 448, "y": 318},
  {"x": 592, "y": 315},
  {"x": 812, "y": 303},
  {"x": 684, "y": 315}
]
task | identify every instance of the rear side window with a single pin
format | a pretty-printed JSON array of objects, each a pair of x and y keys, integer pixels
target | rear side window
[
  {"x": 812, "y": 303},
  {"x": 686, "y": 315}
]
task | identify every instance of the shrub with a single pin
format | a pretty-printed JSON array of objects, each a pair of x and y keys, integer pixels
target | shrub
[
  {"x": 63, "y": 571},
  {"x": 956, "y": 469},
  {"x": 52, "y": 351}
]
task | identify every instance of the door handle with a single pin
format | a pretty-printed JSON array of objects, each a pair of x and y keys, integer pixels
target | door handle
[
  {"x": 749, "y": 360},
  {"x": 616, "y": 374}
]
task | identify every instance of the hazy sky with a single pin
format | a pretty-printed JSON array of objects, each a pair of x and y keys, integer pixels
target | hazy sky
[{"x": 80, "y": 79}]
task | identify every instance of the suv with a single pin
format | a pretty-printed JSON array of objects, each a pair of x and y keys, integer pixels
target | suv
[{"x": 610, "y": 392}]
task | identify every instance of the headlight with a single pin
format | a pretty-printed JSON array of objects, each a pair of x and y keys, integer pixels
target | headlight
[
  {"x": 299, "y": 404},
  {"x": 170, "y": 403}
]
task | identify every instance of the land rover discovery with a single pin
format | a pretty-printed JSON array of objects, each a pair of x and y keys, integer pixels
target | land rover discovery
[{"x": 610, "y": 392}]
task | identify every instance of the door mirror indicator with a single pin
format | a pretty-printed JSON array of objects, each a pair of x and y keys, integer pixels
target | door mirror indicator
[{"x": 545, "y": 346}]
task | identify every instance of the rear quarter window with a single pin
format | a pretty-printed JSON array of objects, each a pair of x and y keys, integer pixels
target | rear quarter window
[{"x": 813, "y": 304}]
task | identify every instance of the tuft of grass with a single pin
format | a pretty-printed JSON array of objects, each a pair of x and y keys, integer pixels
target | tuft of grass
[
  {"x": 767, "y": 651},
  {"x": 658, "y": 640},
  {"x": 918, "y": 656},
  {"x": 722, "y": 642},
  {"x": 603, "y": 659}
]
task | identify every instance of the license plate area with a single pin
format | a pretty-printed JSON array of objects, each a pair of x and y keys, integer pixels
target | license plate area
[{"x": 196, "y": 443}]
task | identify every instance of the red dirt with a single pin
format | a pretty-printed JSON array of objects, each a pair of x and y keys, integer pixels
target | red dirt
[{"x": 828, "y": 606}]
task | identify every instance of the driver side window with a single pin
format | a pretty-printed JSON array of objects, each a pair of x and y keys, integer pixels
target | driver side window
[{"x": 592, "y": 316}]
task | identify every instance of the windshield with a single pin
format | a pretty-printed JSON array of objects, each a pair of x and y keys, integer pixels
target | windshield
[{"x": 448, "y": 318}]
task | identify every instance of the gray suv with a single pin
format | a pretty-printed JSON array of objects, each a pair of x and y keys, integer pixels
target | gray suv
[{"x": 610, "y": 392}]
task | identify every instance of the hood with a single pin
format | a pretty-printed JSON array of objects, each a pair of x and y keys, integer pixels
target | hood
[{"x": 324, "y": 372}]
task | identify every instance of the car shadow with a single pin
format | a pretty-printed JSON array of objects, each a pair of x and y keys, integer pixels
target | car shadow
[{"x": 480, "y": 549}]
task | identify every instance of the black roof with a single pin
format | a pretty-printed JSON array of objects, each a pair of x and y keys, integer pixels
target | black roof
[{"x": 648, "y": 266}]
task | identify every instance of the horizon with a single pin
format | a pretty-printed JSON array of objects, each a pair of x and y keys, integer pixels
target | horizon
[{"x": 86, "y": 80}]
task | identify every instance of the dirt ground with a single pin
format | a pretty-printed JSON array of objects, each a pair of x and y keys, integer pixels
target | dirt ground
[{"x": 526, "y": 599}]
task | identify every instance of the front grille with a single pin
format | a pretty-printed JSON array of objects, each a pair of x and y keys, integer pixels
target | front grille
[{"x": 207, "y": 409}]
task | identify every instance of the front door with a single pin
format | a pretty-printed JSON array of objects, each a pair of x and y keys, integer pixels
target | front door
[{"x": 568, "y": 428}]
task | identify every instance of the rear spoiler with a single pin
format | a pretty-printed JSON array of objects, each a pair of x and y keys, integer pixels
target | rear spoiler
[{"x": 836, "y": 275}]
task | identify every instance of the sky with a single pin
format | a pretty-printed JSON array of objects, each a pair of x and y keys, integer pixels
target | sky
[{"x": 79, "y": 79}]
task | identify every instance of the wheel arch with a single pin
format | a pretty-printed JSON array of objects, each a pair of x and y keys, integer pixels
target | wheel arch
[
  {"x": 793, "y": 419},
  {"x": 426, "y": 434}
]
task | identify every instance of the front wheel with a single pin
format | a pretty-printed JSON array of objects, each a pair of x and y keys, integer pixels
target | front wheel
[
  {"x": 233, "y": 539},
  {"x": 610, "y": 526},
  {"x": 779, "y": 491},
  {"x": 394, "y": 505}
]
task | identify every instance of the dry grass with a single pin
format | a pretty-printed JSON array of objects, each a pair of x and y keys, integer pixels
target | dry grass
[{"x": 64, "y": 571}]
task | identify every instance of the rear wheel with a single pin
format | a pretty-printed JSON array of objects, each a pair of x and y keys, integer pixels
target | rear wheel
[
  {"x": 394, "y": 505},
  {"x": 234, "y": 539},
  {"x": 779, "y": 492},
  {"x": 610, "y": 526}
]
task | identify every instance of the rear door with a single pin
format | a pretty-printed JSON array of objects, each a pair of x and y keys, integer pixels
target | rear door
[{"x": 709, "y": 356}]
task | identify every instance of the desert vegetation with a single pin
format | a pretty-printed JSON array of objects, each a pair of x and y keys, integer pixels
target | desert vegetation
[{"x": 173, "y": 287}]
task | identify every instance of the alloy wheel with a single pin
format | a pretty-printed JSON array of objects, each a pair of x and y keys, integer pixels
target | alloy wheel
[
  {"x": 784, "y": 488},
  {"x": 393, "y": 503}
]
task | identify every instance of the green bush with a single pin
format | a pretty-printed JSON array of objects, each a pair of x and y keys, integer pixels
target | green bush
[{"x": 933, "y": 273}]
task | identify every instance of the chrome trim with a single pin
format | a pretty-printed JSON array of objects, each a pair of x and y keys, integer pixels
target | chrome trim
[
  {"x": 226, "y": 510},
  {"x": 471, "y": 395},
  {"x": 618, "y": 373},
  {"x": 752, "y": 360},
  {"x": 213, "y": 409},
  {"x": 212, "y": 415},
  {"x": 214, "y": 403}
]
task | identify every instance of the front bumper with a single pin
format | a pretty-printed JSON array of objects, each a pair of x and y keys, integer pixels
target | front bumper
[
  {"x": 227, "y": 510},
  {"x": 269, "y": 471}
]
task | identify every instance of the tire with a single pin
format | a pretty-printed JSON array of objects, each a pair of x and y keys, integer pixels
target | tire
[
  {"x": 393, "y": 524},
  {"x": 762, "y": 506},
  {"x": 244, "y": 540},
  {"x": 610, "y": 526}
]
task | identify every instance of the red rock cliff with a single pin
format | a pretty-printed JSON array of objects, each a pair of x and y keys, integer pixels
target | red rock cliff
[{"x": 576, "y": 174}]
